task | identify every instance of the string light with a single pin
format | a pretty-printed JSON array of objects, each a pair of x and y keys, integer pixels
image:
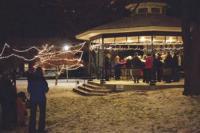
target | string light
[
  {"x": 4, "y": 47},
  {"x": 48, "y": 56},
  {"x": 26, "y": 50},
  {"x": 143, "y": 49},
  {"x": 16, "y": 55},
  {"x": 113, "y": 46}
]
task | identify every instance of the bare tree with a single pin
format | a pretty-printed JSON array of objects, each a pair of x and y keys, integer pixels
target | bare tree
[
  {"x": 191, "y": 38},
  {"x": 59, "y": 60}
]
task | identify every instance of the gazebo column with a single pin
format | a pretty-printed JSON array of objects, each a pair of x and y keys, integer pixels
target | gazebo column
[
  {"x": 90, "y": 64},
  {"x": 98, "y": 52},
  {"x": 102, "y": 80},
  {"x": 152, "y": 82}
]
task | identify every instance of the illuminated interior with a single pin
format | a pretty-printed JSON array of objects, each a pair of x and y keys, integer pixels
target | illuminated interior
[{"x": 138, "y": 40}]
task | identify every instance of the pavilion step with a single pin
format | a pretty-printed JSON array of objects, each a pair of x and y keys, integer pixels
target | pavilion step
[
  {"x": 81, "y": 92},
  {"x": 89, "y": 85},
  {"x": 87, "y": 93},
  {"x": 94, "y": 83},
  {"x": 88, "y": 89}
]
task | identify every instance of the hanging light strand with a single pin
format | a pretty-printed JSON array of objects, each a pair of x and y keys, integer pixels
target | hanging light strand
[
  {"x": 69, "y": 60},
  {"x": 4, "y": 47}
]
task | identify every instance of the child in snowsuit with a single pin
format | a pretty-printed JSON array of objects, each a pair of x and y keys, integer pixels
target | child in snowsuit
[{"x": 21, "y": 109}]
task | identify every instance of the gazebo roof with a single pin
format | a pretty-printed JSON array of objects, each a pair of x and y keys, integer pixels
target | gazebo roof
[{"x": 135, "y": 24}]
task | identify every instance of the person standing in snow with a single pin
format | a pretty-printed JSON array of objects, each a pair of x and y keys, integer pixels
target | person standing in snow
[{"x": 37, "y": 88}]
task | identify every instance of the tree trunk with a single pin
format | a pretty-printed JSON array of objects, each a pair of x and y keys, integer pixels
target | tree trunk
[
  {"x": 56, "y": 81},
  {"x": 57, "y": 75},
  {"x": 191, "y": 38}
]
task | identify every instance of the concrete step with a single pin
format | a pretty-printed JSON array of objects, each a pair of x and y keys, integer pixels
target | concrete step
[
  {"x": 93, "y": 83},
  {"x": 80, "y": 91},
  {"x": 87, "y": 93},
  {"x": 94, "y": 86},
  {"x": 88, "y": 89}
]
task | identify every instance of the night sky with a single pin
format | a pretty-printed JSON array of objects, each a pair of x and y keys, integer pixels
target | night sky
[{"x": 61, "y": 18}]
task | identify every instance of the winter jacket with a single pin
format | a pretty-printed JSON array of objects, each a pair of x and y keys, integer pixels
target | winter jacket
[
  {"x": 149, "y": 62},
  {"x": 137, "y": 63},
  {"x": 37, "y": 88},
  {"x": 7, "y": 91},
  {"x": 168, "y": 62}
]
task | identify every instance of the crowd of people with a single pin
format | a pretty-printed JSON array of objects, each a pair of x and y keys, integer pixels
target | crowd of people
[
  {"x": 150, "y": 68},
  {"x": 13, "y": 105}
]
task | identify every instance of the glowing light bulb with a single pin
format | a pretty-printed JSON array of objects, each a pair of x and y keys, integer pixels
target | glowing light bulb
[{"x": 66, "y": 48}]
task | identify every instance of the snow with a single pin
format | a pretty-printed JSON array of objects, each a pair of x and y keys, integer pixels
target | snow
[
  {"x": 62, "y": 83},
  {"x": 151, "y": 111}
]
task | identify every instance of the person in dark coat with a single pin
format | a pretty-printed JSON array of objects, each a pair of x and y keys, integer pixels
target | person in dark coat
[
  {"x": 144, "y": 69},
  {"x": 175, "y": 70},
  {"x": 117, "y": 68},
  {"x": 157, "y": 65},
  {"x": 0, "y": 104},
  {"x": 137, "y": 68},
  {"x": 8, "y": 102},
  {"x": 37, "y": 88},
  {"x": 168, "y": 68},
  {"x": 0, "y": 117},
  {"x": 107, "y": 67}
]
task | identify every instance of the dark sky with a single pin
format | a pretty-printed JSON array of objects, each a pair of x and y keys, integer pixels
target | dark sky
[{"x": 63, "y": 18}]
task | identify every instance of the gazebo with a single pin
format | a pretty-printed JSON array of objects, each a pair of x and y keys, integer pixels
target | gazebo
[{"x": 147, "y": 30}]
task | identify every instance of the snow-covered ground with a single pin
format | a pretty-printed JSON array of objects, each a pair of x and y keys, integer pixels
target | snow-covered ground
[
  {"x": 62, "y": 83},
  {"x": 160, "y": 111}
]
